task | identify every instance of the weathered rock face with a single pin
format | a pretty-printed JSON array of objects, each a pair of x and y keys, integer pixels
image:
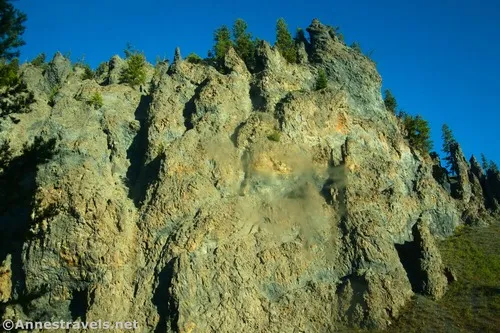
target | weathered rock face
[
  {"x": 463, "y": 189},
  {"x": 224, "y": 203}
]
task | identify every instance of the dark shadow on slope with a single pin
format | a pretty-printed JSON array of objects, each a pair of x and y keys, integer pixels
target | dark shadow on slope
[
  {"x": 164, "y": 301},
  {"x": 190, "y": 106},
  {"x": 18, "y": 188},
  {"x": 136, "y": 153}
]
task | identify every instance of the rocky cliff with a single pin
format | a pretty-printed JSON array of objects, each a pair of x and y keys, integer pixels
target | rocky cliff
[{"x": 236, "y": 202}]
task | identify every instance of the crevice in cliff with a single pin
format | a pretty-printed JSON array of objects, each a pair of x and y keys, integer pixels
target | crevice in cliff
[
  {"x": 164, "y": 300},
  {"x": 410, "y": 254},
  {"x": 279, "y": 110},
  {"x": 79, "y": 304},
  {"x": 234, "y": 136},
  {"x": 190, "y": 106},
  {"x": 258, "y": 101},
  {"x": 136, "y": 153}
]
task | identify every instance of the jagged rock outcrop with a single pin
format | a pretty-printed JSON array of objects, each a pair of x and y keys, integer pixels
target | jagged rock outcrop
[
  {"x": 226, "y": 202},
  {"x": 58, "y": 71},
  {"x": 440, "y": 173},
  {"x": 115, "y": 67},
  {"x": 177, "y": 55},
  {"x": 462, "y": 189}
]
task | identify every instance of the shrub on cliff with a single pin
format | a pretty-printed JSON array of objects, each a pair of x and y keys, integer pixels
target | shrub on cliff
[
  {"x": 321, "y": 80},
  {"x": 418, "y": 133},
  {"x": 14, "y": 94},
  {"x": 96, "y": 100},
  {"x": 390, "y": 101},
  {"x": 284, "y": 42},
  {"x": 194, "y": 58},
  {"x": 134, "y": 73},
  {"x": 39, "y": 60}
]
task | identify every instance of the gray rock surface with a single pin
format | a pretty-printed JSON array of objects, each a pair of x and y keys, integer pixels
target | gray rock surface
[
  {"x": 58, "y": 70},
  {"x": 230, "y": 202},
  {"x": 115, "y": 65},
  {"x": 463, "y": 188}
]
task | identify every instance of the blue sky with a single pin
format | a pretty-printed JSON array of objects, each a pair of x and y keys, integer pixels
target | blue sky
[{"x": 441, "y": 59}]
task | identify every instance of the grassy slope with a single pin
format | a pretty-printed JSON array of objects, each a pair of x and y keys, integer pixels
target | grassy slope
[{"x": 472, "y": 304}]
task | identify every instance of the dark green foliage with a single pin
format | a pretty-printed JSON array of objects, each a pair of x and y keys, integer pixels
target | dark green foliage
[
  {"x": 96, "y": 100},
  {"x": 321, "y": 80},
  {"x": 222, "y": 38},
  {"x": 134, "y": 73},
  {"x": 39, "y": 61},
  {"x": 194, "y": 58},
  {"x": 418, "y": 133},
  {"x": 493, "y": 166},
  {"x": 449, "y": 144},
  {"x": 88, "y": 73},
  {"x": 484, "y": 162},
  {"x": 390, "y": 101},
  {"x": 9, "y": 73},
  {"x": 5, "y": 155},
  {"x": 243, "y": 43},
  {"x": 284, "y": 42},
  {"x": 14, "y": 94},
  {"x": 275, "y": 136},
  {"x": 11, "y": 28}
]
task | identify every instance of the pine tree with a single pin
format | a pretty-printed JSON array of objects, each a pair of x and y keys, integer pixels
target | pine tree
[
  {"x": 243, "y": 43},
  {"x": 449, "y": 144},
  {"x": 390, "y": 101},
  {"x": 484, "y": 162},
  {"x": 493, "y": 166},
  {"x": 11, "y": 28},
  {"x": 284, "y": 42},
  {"x": 222, "y": 38},
  {"x": 135, "y": 72},
  {"x": 419, "y": 133}
]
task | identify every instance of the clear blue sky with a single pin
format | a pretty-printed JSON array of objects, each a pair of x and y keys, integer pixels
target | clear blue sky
[{"x": 440, "y": 58}]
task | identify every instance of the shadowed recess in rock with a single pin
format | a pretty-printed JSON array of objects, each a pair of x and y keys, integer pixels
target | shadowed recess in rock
[
  {"x": 163, "y": 300},
  {"x": 136, "y": 153},
  {"x": 79, "y": 304},
  {"x": 410, "y": 254},
  {"x": 258, "y": 101},
  {"x": 190, "y": 106}
]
